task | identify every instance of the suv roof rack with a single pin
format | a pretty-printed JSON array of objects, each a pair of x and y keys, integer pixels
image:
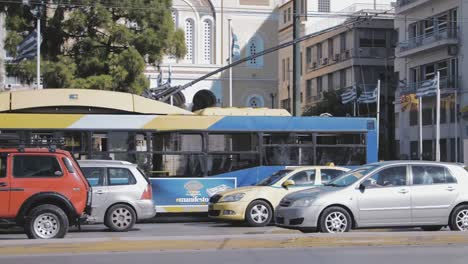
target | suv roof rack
[{"x": 13, "y": 141}]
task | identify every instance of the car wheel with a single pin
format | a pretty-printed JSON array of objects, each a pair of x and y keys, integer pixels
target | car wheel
[
  {"x": 45, "y": 222},
  {"x": 120, "y": 218},
  {"x": 259, "y": 213},
  {"x": 431, "y": 228},
  {"x": 335, "y": 220},
  {"x": 459, "y": 218}
]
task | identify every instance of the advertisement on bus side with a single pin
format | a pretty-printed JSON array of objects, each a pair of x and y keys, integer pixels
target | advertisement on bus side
[{"x": 187, "y": 194}]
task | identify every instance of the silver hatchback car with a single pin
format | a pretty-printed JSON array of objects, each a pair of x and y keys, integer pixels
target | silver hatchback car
[
  {"x": 422, "y": 194},
  {"x": 121, "y": 193}
]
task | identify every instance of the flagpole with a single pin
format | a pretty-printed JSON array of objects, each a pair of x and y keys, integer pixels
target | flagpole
[
  {"x": 420, "y": 129},
  {"x": 456, "y": 124},
  {"x": 378, "y": 112},
  {"x": 38, "y": 65},
  {"x": 230, "y": 61},
  {"x": 438, "y": 118}
]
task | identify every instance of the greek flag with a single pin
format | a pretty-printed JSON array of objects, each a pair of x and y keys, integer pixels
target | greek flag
[
  {"x": 27, "y": 49},
  {"x": 349, "y": 95},
  {"x": 235, "y": 49},
  {"x": 368, "y": 97},
  {"x": 427, "y": 88}
]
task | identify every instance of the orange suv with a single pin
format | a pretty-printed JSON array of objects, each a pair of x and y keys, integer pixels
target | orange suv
[{"x": 42, "y": 189}]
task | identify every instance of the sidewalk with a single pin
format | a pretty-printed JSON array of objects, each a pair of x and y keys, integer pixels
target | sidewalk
[{"x": 220, "y": 242}]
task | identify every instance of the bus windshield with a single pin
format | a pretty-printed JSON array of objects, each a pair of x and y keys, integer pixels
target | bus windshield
[
  {"x": 274, "y": 178},
  {"x": 351, "y": 177}
]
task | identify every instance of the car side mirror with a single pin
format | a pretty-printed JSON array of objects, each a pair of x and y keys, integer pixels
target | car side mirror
[
  {"x": 288, "y": 183},
  {"x": 58, "y": 173},
  {"x": 364, "y": 185}
]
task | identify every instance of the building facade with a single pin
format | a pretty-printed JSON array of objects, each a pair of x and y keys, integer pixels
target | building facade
[
  {"x": 346, "y": 55},
  {"x": 206, "y": 27},
  {"x": 430, "y": 41}
]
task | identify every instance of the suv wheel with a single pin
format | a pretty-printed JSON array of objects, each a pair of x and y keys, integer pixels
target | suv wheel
[
  {"x": 335, "y": 220},
  {"x": 459, "y": 218},
  {"x": 259, "y": 213},
  {"x": 120, "y": 218},
  {"x": 45, "y": 222}
]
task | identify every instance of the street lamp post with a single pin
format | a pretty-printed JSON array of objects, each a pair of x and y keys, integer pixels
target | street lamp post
[{"x": 36, "y": 12}]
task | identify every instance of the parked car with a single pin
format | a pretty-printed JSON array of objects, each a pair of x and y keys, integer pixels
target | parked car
[
  {"x": 422, "y": 194},
  {"x": 43, "y": 190},
  {"x": 121, "y": 193},
  {"x": 255, "y": 204}
]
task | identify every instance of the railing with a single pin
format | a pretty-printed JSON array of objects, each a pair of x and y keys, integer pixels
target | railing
[
  {"x": 449, "y": 33},
  {"x": 361, "y": 53},
  {"x": 400, "y": 3},
  {"x": 445, "y": 83}
]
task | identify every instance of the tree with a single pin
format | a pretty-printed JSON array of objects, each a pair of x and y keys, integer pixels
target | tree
[
  {"x": 102, "y": 44},
  {"x": 331, "y": 104}
]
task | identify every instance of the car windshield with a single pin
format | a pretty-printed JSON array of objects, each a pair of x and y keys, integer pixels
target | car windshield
[
  {"x": 352, "y": 176},
  {"x": 274, "y": 178}
]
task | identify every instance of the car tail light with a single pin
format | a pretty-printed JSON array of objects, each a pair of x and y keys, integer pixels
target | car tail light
[{"x": 147, "y": 193}]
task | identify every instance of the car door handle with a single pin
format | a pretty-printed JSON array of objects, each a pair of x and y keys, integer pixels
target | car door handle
[
  {"x": 403, "y": 191},
  {"x": 99, "y": 192},
  {"x": 450, "y": 188},
  {"x": 3, "y": 184}
]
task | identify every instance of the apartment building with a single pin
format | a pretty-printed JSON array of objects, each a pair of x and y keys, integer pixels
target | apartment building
[{"x": 430, "y": 37}]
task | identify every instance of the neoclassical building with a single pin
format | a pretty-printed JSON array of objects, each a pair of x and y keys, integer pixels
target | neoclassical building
[{"x": 206, "y": 27}]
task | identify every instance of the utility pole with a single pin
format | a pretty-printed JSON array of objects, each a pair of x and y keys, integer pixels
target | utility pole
[
  {"x": 37, "y": 12},
  {"x": 296, "y": 83}
]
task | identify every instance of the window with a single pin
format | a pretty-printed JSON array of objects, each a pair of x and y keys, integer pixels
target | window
[
  {"x": 330, "y": 82},
  {"x": 442, "y": 22},
  {"x": 427, "y": 116},
  {"x": 254, "y": 46},
  {"x": 177, "y": 142},
  {"x": 319, "y": 86},
  {"x": 224, "y": 163},
  {"x": 285, "y": 17},
  {"x": 303, "y": 178},
  {"x": 330, "y": 48},
  {"x": 328, "y": 175},
  {"x": 413, "y": 118},
  {"x": 207, "y": 41},
  {"x": 189, "y": 39},
  {"x": 120, "y": 176},
  {"x": 32, "y": 166},
  {"x": 372, "y": 39},
  {"x": 427, "y": 149},
  {"x": 288, "y": 71},
  {"x": 308, "y": 89},
  {"x": 324, "y": 6},
  {"x": 289, "y": 14},
  {"x": 390, "y": 177},
  {"x": 319, "y": 52},
  {"x": 95, "y": 176},
  {"x": 3, "y": 167},
  {"x": 68, "y": 164},
  {"x": 423, "y": 175},
  {"x": 343, "y": 41},
  {"x": 414, "y": 149},
  {"x": 343, "y": 81},
  {"x": 284, "y": 69},
  {"x": 309, "y": 55},
  {"x": 428, "y": 26}
]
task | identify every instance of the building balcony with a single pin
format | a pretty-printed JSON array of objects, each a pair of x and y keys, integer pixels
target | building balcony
[
  {"x": 436, "y": 39},
  {"x": 406, "y": 5},
  {"x": 447, "y": 85}
]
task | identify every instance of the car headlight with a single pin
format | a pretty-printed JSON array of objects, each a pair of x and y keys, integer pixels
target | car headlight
[
  {"x": 232, "y": 197},
  {"x": 305, "y": 202}
]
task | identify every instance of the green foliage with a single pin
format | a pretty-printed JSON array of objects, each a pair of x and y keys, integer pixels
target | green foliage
[
  {"x": 92, "y": 45},
  {"x": 331, "y": 104}
]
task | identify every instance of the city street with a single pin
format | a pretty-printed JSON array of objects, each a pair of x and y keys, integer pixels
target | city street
[
  {"x": 381, "y": 255},
  {"x": 202, "y": 241}
]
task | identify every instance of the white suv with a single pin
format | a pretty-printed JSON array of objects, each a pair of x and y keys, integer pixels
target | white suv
[{"x": 121, "y": 193}]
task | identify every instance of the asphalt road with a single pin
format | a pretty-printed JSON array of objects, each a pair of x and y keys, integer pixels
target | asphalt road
[{"x": 360, "y": 255}]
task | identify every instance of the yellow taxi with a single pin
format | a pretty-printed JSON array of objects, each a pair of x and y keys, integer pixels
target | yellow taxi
[{"x": 255, "y": 204}]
